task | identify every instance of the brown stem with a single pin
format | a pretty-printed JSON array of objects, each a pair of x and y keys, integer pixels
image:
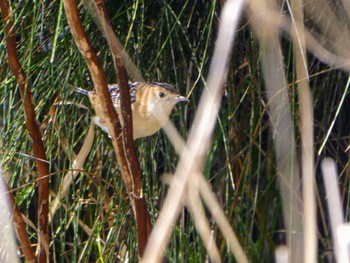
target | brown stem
[
  {"x": 142, "y": 216},
  {"x": 129, "y": 168},
  {"x": 33, "y": 131},
  {"x": 143, "y": 221}
]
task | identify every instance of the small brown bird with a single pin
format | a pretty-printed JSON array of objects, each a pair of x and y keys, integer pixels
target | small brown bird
[{"x": 151, "y": 105}]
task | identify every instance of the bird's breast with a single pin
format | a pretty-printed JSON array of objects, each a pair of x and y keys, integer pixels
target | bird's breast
[{"x": 145, "y": 126}]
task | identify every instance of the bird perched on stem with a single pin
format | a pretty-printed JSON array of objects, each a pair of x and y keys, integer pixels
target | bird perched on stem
[{"x": 151, "y": 105}]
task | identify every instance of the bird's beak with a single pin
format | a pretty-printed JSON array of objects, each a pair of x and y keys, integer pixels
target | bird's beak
[{"x": 181, "y": 98}]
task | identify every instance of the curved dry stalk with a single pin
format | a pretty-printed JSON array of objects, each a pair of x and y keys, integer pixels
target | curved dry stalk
[
  {"x": 283, "y": 129},
  {"x": 306, "y": 134},
  {"x": 199, "y": 139},
  {"x": 272, "y": 18},
  {"x": 330, "y": 46}
]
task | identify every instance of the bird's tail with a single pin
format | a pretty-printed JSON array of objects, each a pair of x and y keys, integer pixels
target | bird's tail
[{"x": 77, "y": 89}]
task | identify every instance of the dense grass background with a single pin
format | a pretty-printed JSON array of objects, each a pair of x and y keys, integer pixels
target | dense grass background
[{"x": 169, "y": 41}]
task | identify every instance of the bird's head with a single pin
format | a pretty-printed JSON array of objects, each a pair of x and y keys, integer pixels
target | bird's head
[{"x": 159, "y": 98}]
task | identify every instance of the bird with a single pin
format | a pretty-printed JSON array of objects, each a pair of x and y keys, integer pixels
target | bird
[{"x": 151, "y": 105}]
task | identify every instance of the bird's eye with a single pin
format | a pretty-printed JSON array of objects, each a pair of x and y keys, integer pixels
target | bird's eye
[{"x": 161, "y": 94}]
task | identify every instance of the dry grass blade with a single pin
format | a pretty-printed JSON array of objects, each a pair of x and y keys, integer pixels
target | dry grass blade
[
  {"x": 199, "y": 139},
  {"x": 78, "y": 163},
  {"x": 335, "y": 210},
  {"x": 326, "y": 35},
  {"x": 341, "y": 104},
  {"x": 8, "y": 247},
  {"x": 195, "y": 206},
  {"x": 343, "y": 236},
  {"x": 281, "y": 254},
  {"x": 280, "y": 114},
  {"x": 221, "y": 219},
  {"x": 306, "y": 133},
  {"x": 209, "y": 199}
]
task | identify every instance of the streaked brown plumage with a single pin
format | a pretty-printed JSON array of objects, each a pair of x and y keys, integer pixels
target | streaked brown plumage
[{"x": 151, "y": 105}]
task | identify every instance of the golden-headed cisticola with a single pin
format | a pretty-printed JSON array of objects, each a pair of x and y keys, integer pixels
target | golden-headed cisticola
[{"x": 151, "y": 105}]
